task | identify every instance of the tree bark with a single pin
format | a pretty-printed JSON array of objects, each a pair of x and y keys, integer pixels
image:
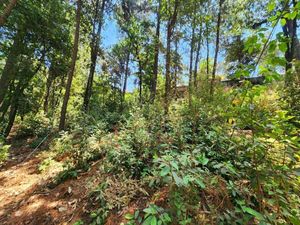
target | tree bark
[
  {"x": 217, "y": 49},
  {"x": 94, "y": 54},
  {"x": 72, "y": 68},
  {"x": 191, "y": 58},
  {"x": 7, "y": 11},
  {"x": 125, "y": 77},
  {"x": 290, "y": 32},
  {"x": 156, "y": 55},
  {"x": 170, "y": 31},
  {"x": 197, "y": 58},
  {"x": 207, "y": 51},
  {"x": 125, "y": 81},
  {"x": 48, "y": 89},
  {"x": 9, "y": 70},
  {"x": 140, "y": 82},
  {"x": 13, "y": 109},
  {"x": 176, "y": 69}
]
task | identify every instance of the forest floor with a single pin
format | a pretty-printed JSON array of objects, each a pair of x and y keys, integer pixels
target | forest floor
[
  {"x": 29, "y": 195},
  {"x": 25, "y": 196}
]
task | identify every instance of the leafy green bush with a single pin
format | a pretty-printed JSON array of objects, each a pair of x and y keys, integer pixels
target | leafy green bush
[
  {"x": 129, "y": 149},
  {"x": 4, "y": 151},
  {"x": 80, "y": 145},
  {"x": 34, "y": 125}
]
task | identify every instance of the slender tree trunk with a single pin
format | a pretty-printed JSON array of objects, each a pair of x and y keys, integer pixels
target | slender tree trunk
[
  {"x": 7, "y": 11},
  {"x": 6, "y": 103},
  {"x": 94, "y": 55},
  {"x": 191, "y": 58},
  {"x": 13, "y": 108},
  {"x": 72, "y": 68},
  {"x": 170, "y": 29},
  {"x": 176, "y": 69},
  {"x": 217, "y": 49},
  {"x": 168, "y": 78},
  {"x": 9, "y": 70},
  {"x": 156, "y": 55},
  {"x": 125, "y": 77},
  {"x": 207, "y": 51},
  {"x": 197, "y": 58},
  {"x": 16, "y": 93},
  {"x": 11, "y": 118},
  {"x": 48, "y": 89},
  {"x": 140, "y": 82},
  {"x": 290, "y": 32}
]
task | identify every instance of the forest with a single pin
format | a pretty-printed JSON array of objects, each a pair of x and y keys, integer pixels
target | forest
[{"x": 149, "y": 112}]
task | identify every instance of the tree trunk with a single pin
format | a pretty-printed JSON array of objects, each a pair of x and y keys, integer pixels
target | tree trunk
[
  {"x": 48, "y": 89},
  {"x": 11, "y": 118},
  {"x": 156, "y": 55},
  {"x": 176, "y": 69},
  {"x": 170, "y": 29},
  {"x": 207, "y": 51},
  {"x": 197, "y": 58},
  {"x": 217, "y": 49},
  {"x": 72, "y": 68},
  {"x": 290, "y": 32},
  {"x": 125, "y": 77},
  {"x": 7, "y": 11},
  {"x": 14, "y": 108},
  {"x": 191, "y": 58},
  {"x": 9, "y": 70},
  {"x": 5, "y": 104},
  {"x": 94, "y": 54},
  {"x": 140, "y": 82}
]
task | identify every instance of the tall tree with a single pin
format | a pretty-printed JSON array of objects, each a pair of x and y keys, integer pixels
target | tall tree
[
  {"x": 290, "y": 31},
  {"x": 197, "y": 60},
  {"x": 207, "y": 49},
  {"x": 72, "y": 67},
  {"x": 97, "y": 26},
  {"x": 192, "y": 50},
  {"x": 9, "y": 70},
  {"x": 156, "y": 53},
  {"x": 171, "y": 22},
  {"x": 217, "y": 46}
]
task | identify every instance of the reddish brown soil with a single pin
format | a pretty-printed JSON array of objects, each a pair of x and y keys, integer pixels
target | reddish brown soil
[{"x": 26, "y": 199}]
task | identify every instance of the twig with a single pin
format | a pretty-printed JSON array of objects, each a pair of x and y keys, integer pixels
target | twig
[{"x": 44, "y": 139}]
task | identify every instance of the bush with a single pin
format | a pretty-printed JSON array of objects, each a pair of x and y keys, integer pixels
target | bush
[
  {"x": 4, "y": 150},
  {"x": 34, "y": 125}
]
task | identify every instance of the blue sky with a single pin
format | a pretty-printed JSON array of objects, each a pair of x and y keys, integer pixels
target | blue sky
[{"x": 111, "y": 36}]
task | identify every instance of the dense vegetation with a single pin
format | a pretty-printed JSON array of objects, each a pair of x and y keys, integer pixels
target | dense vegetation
[{"x": 175, "y": 144}]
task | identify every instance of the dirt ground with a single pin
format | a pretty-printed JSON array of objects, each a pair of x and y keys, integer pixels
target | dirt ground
[{"x": 25, "y": 197}]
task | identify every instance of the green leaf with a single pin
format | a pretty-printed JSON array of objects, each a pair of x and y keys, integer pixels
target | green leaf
[
  {"x": 177, "y": 179},
  {"x": 282, "y": 22},
  {"x": 150, "y": 220},
  {"x": 271, "y": 6},
  {"x": 283, "y": 47},
  {"x": 136, "y": 214},
  {"x": 165, "y": 171},
  {"x": 294, "y": 220},
  {"x": 93, "y": 215},
  {"x": 129, "y": 216},
  {"x": 293, "y": 15},
  {"x": 174, "y": 165},
  {"x": 272, "y": 46},
  {"x": 153, "y": 221},
  {"x": 149, "y": 210},
  {"x": 200, "y": 183},
  {"x": 254, "y": 213}
]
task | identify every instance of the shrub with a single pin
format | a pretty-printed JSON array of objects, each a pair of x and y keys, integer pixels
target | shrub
[
  {"x": 34, "y": 125},
  {"x": 4, "y": 150}
]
